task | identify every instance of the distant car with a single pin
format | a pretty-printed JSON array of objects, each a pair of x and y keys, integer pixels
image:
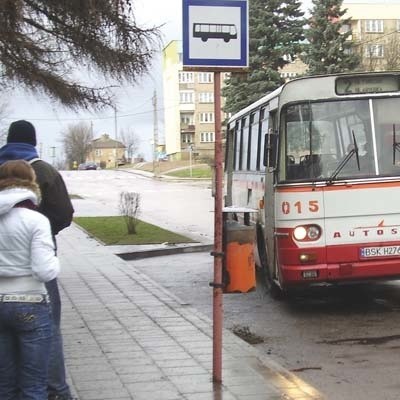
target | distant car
[{"x": 87, "y": 166}]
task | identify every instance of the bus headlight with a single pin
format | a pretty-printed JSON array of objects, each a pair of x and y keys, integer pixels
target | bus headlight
[{"x": 304, "y": 233}]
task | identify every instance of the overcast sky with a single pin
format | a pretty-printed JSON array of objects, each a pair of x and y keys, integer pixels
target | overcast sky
[{"x": 135, "y": 110}]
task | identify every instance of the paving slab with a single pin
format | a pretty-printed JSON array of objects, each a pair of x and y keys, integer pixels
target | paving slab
[{"x": 126, "y": 337}]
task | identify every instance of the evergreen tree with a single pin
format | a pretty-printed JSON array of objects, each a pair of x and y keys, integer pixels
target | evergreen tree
[
  {"x": 43, "y": 41},
  {"x": 329, "y": 51},
  {"x": 275, "y": 35}
]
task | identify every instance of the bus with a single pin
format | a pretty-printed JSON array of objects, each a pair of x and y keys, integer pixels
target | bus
[
  {"x": 319, "y": 161},
  {"x": 206, "y": 31}
]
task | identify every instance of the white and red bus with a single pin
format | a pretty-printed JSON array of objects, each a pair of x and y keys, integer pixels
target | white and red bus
[{"x": 319, "y": 158}]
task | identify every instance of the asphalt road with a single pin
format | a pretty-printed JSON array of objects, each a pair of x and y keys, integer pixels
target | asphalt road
[{"x": 344, "y": 341}]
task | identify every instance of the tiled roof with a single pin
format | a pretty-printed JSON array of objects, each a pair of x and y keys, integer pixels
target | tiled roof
[{"x": 105, "y": 142}]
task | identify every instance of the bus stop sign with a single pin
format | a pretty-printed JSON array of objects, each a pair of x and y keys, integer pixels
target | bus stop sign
[{"x": 215, "y": 34}]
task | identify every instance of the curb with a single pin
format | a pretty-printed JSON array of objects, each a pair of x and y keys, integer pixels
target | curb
[
  {"x": 162, "y": 176},
  {"x": 164, "y": 252}
]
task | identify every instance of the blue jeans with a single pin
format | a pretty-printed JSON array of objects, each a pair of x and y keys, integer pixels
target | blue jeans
[
  {"x": 25, "y": 337},
  {"x": 57, "y": 383}
]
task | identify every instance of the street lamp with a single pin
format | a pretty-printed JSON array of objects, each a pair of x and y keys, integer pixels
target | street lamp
[{"x": 190, "y": 148}]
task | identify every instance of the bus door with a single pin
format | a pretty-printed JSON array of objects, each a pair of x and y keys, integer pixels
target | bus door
[{"x": 270, "y": 157}]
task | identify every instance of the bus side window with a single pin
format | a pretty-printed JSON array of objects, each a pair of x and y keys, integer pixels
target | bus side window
[{"x": 271, "y": 140}]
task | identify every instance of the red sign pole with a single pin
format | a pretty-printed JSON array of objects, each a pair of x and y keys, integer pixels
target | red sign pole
[{"x": 218, "y": 249}]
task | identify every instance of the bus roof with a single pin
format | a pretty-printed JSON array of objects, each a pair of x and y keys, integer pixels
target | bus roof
[
  {"x": 295, "y": 91},
  {"x": 256, "y": 104}
]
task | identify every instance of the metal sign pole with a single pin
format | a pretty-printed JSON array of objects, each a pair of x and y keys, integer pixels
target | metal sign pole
[
  {"x": 204, "y": 49},
  {"x": 218, "y": 250}
]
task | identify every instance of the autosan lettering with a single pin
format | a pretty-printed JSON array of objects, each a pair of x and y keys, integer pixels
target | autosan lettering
[{"x": 372, "y": 231}]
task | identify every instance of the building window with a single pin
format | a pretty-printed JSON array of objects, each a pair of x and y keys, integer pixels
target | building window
[
  {"x": 187, "y": 138},
  {"x": 398, "y": 25},
  {"x": 206, "y": 97},
  {"x": 374, "y": 25},
  {"x": 207, "y": 117},
  {"x": 345, "y": 28},
  {"x": 205, "y": 77},
  {"x": 207, "y": 137},
  {"x": 185, "y": 97},
  {"x": 98, "y": 152},
  {"x": 186, "y": 77},
  {"x": 187, "y": 119},
  {"x": 374, "y": 50}
]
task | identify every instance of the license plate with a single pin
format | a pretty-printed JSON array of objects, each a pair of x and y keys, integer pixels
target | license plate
[{"x": 384, "y": 251}]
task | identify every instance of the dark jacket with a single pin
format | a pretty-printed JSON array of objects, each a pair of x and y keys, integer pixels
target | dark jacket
[{"x": 56, "y": 204}]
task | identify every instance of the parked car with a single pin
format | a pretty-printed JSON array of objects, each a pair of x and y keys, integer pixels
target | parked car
[{"x": 87, "y": 165}]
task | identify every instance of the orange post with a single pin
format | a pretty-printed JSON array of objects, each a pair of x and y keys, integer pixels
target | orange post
[{"x": 239, "y": 258}]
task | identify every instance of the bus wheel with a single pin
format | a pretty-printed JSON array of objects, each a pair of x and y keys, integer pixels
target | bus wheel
[
  {"x": 204, "y": 39},
  {"x": 277, "y": 293},
  {"x": 226, "y": 40}
]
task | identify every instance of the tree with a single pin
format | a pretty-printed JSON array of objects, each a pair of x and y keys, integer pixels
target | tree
[
  {"x": 42, "y": 41},
  {"x": 329, "y": 51},
  {"x": 129, "y": 208},
  {"x": 76, "y": 141},
  {"x": 276, "y": 32},
  {"x": 392, "y": 52},
  {"x": 130, "y": 140}
]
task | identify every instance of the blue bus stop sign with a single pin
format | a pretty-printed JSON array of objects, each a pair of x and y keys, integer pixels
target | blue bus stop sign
[{"x": 215, "y": 34}]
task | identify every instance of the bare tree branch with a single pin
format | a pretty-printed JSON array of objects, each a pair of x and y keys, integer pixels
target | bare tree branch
[
  {"x": 130, "y": 140},
  {"x": 76, "y": 141},
  {"x": 41, "y": 41}
]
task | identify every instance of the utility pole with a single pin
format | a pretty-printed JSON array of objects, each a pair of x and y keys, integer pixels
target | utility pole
[
  {"x": 116, "y": 136},
  {"x": 155, "y": 130}
]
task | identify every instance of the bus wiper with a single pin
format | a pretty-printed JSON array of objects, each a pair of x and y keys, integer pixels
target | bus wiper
[
  {"x": 345, "y": 160},
  {"x": 396, "y": 145}
]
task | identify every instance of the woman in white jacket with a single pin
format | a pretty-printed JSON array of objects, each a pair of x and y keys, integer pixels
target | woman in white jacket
[{"x": 27, "y": 261}]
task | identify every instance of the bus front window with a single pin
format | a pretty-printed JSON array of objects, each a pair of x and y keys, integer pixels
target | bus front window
[
  {"x": 316, "y": 138},
  {"x": 387, "y": 131}
]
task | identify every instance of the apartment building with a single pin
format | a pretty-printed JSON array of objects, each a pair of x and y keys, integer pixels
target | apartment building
[
  {"x": 375, "y": 26},
  {"x": 188, "y": 108}
]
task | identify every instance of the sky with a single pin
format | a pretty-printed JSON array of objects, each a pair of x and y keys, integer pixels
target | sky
[{"x": 134, "y": 102}]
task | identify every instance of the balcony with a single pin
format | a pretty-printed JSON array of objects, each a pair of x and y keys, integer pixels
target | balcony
[{"x": 187, "y": 128}]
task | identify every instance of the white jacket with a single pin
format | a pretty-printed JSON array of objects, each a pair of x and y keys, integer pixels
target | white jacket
[{"x": 27, "y": 252}]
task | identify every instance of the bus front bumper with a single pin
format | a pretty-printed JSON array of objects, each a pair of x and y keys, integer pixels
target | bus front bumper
[{"x": 293, "y": 275}]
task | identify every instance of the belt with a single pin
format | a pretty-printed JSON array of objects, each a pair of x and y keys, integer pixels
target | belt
[{"x": 24, "y": 298}]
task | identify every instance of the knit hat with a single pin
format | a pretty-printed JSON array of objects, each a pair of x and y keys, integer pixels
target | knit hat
[{"x": 21, "y": 132}]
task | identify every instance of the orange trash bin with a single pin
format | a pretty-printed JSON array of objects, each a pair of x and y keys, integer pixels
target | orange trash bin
[{"x": 240, "y": 275}]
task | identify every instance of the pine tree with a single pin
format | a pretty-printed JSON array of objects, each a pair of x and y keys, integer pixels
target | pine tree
[
  {"x": 275, "y": 35},
  {"x": 329, "y": 51},
  {"x": 43, "y": 41}
]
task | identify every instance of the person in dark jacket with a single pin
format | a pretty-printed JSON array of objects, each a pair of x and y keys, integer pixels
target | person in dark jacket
[{"x": 57, "y": 207}]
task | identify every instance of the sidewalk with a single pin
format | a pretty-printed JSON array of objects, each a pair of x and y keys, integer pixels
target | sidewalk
[{"x": 126, "y": 337}]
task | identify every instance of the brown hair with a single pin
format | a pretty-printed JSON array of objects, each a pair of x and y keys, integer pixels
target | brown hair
[{"x": 20, "y": 169}]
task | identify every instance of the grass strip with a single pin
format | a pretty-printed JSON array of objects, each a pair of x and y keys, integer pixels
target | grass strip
[{"x": 113, "y": 231}]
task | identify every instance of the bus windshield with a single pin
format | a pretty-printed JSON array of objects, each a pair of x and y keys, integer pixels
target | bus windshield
[{"x": 317, "y": 137}]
